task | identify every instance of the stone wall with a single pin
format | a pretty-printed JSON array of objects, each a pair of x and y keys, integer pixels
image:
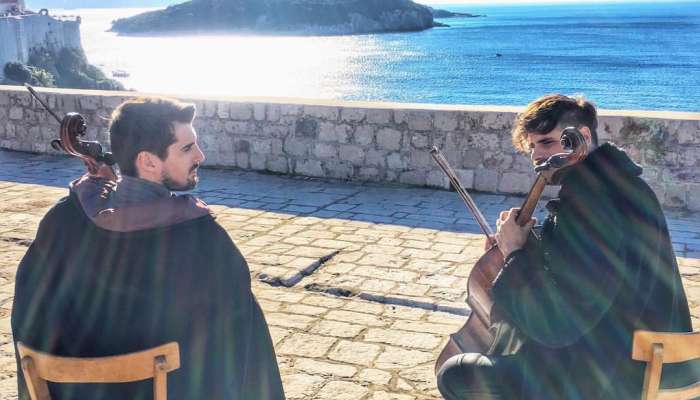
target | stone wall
[
  {"x": 20, "y": 34},
  {"x": 381, "y": 142}
]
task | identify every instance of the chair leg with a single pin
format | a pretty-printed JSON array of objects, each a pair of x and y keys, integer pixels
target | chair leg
[
  {"x": 37, "y": 387},
  {"x": 160, "y": 379},
  {"x": 652, "y": 374}
]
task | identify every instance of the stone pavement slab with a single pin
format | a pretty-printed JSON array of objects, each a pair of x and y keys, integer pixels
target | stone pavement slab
[{"x": 360, "y": 283}]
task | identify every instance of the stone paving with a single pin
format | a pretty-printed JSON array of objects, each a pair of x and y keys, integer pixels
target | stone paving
[{"x": 360, "y": 283}]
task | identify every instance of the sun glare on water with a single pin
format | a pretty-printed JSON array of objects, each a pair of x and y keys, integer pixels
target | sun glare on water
[{"x": 229, "y": 64}]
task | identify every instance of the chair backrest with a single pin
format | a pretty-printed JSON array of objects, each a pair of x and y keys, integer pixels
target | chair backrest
[
  {"x": 38, "y": 368},
  {"x": 657, "y": 348}
]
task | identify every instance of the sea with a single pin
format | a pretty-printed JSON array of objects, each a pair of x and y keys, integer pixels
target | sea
[{"x": 641, "y": 56}]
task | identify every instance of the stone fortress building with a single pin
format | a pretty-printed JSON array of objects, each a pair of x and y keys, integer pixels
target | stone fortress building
[
  {"x": 11, "y": 6},
  {"x": 22, "y": 30}
]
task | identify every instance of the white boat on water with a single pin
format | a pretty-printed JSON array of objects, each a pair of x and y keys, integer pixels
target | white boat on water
[{"x": 120, "y": 73}]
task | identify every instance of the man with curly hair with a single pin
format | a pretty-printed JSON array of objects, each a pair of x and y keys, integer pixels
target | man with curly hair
[{"x": 601, "y": 267}]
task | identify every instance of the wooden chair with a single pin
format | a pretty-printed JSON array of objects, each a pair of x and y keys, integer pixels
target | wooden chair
[
  {"x": 657, "y": 348},
  {"x": 38, "y": 368}
]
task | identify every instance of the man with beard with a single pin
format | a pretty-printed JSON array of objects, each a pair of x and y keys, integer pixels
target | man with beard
[
  {"x": 602, "y": 267},
  {"x": 118, "y": 267}
]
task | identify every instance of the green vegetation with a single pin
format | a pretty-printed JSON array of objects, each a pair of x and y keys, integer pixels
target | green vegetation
[{"x": 66, "y": 68}]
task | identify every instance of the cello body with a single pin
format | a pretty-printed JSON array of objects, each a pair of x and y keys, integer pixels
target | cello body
[{"x": 476, "y": 335}]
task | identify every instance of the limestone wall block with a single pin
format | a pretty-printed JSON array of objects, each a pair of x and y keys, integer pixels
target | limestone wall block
[
  {"x": 276, "y": 147},
  {"x": 222, "y": 110},
  {"x": 688, "y": 132},
  {"x": 10, "y": 131},
  {"x": 378, "y": 116},
  {"x": 376, "y": 158},
  {"x": 676, "y": 195},
  {"x": 277, "y": 164},
  {"x": 414, "y": 177},
  {"x": 259, "y": 112},
  {"x": 296, "y": 147},
  {"x": 4, "y": 98},
  {"x": 273, "y": 112},
  {"x": 466, "y": 177},
  {"x": 401, "y": 116},
  {"x": 235, "y": 128},
  {"x": 497, "y": 160},
  {"x": 243, "y": 160},
  {"x": 485, "y": 141},
  {"x": 693, "y": 196},
  {"x": 446, "y": 120},
  {"x": 485, "y": 180},
  {"x": 421, "y": 159},
  {"x": 396, "y": 161},
  {"x": 330, "y": 132},
  {"x": 351, "y": 153},
  {"x": 328, "y": 113},
  {"x": 364, "y": 135},
  {"x": 276, "y": 131},
  {"x": 308, "y": 168},
  {"x": 352, "y": 114},
  {"x": 224, "y": 143},
  {"x": 420, "y": 141},
  {"x": 369, "y": 173},
  {"x": 472, "y": 158},
  {"x": 262, "y": 146},
  {"x": 389, "y": 139},
  {"x": 325, "y": 150},
  {"x": 206, "y": 109},
  {"x": 240, "y": 111},
  {"x": 291, "y": 109},
  {"x": 420, "y": 120},
  {"x": 436, "y": 178},
  {"x": 514, "y": 182},
  {"x": 608, "y": 128},
  {"x": 258, "y": 161},
  {"x": 24, "y": 99},
  {"x": 339, "y": 169},
  {"x": 16, "y": 113},
  {"x": 497, "y": 120},
  {"x": 306, "y": 127}
]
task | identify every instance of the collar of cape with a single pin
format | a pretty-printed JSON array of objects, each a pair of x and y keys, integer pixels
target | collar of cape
[{"x": 132, "y": 204}]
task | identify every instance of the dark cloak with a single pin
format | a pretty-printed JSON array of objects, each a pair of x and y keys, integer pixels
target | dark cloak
[
  {"x": 604, "y": 268},
  {"x": 85, "y": 291}
]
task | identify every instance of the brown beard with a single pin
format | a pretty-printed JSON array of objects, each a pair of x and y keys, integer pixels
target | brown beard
[{"x": 173, "y": 186}]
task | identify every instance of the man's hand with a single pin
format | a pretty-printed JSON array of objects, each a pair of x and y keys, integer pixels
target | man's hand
[{"x": 509, "y": 235}]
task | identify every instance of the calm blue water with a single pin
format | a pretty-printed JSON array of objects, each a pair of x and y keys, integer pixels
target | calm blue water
[
  {"x": 631, "y": 56},
  {"x": 623, "y": 56}
]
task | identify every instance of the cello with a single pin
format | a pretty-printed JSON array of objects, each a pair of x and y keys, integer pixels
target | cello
[
  {"x": 73, "y": 127},
  {"x": 477, "y": 335}
]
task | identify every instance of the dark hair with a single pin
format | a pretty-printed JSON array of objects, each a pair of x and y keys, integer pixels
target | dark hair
[
  {"x": 145, "y": 124},
  {"x": 552, "y": 111}
]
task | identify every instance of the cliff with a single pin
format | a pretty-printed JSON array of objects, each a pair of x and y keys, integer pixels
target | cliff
[{"x": 310, "y": 17}]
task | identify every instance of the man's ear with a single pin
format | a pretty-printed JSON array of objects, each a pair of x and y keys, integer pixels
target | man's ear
[
  {"x": 147, "y": 164},
  {"x": 586, "y": 132}
]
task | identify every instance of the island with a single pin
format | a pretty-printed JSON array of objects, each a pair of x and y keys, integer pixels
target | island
[{"x": 296, "y": 17}]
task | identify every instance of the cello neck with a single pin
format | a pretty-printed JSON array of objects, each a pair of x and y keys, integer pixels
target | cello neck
[{"x": 530, "y": 203}]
